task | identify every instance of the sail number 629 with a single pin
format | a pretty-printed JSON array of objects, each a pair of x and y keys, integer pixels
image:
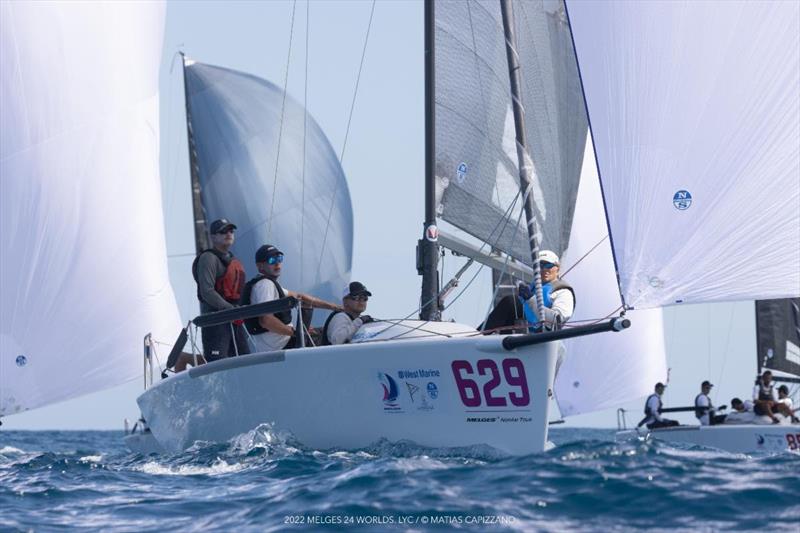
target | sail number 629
[{"x": 470, "y": 391}]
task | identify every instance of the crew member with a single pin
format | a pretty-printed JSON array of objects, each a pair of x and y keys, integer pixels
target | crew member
[
  {"x": 559, "y": 301},
  {"x": 785, "y": 404},
  {"x": 275, "y": 331},
  {"x": 704, "y": 409},
  {"x": 220, "y": 278},
  {"x": 764, "y": 398},
  {"x": 652, "y": 410},
  {"x": 742, "y": 412},
  {"x": 341, "y": 325}
]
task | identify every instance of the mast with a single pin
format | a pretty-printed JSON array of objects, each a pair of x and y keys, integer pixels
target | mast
[
  {"x": 200, "y": 230},
  {"x": 428, "y": 246},
  {"x": 525, "y": 185}
]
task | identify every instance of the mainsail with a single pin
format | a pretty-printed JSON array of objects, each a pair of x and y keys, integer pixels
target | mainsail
[
  {"x": 84, "y": 266},
  {"x": 695, "y": 113},
  {"x": 476, "y": 161},
  {"x": 277, "y": 179},
  {"x": 778, "y": 335}
]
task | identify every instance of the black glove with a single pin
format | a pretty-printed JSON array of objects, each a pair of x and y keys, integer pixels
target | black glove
[
  {"x": 366, "y": 319},
  {"x": 524, "y": 290}
]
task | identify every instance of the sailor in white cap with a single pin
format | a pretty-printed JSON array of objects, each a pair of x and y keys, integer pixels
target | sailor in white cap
[{"x": 559, "y": 301}]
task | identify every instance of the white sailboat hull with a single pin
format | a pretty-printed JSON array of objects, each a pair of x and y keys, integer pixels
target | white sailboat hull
[
  {"x": 745, "y": 438},
  {"x": 441, "y": 392}
]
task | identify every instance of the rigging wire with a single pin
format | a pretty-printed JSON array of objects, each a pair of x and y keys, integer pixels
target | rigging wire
[
  {"x": 280, "y": 125},
  {"x": 305, "y": 129},
  {"x": 346, "y": 135},
  {"x": 708, "y": 339}
]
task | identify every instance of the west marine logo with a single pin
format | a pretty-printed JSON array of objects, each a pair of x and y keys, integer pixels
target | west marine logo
[{"x": 390, "y": 392}]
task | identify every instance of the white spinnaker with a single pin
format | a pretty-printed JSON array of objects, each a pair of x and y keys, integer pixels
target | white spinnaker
[
  {"x": 609, "y": 369},
  {"x": 701, "y": 97},
  {"x": 84, "y": 267}
]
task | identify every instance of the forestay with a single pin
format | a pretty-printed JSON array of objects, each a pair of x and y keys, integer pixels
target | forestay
[
  {"x": 242, "y": 128},
  {"x": 695, "y": 113},
  {"x": 476, "y": 161},
  {"x": 603, "y": 371},
  {"x": 778, "y": 335},
  {"x": 84, "y": 267}
]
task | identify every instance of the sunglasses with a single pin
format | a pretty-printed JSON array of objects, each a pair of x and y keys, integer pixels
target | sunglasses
[
  {"x": 226, "y": 231},
  {"x": 359, "y": 298},
  {"x": 275, "y": 259},
  {"x": 545, "y": 264}
]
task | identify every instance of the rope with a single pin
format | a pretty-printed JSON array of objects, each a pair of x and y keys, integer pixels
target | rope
[
  {"x": 346, "y": 135},
  {"x": 280, "y": 126}
]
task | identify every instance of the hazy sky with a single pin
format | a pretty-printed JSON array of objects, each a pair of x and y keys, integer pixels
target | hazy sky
[{"x": 384, "y": 164}]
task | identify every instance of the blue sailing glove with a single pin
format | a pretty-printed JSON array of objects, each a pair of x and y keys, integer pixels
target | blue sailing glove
[{"x": 524, "y": 291}]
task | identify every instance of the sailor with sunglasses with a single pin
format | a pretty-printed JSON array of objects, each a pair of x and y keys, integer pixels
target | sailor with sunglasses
[
  {"x": 559, "y": 302},
  {"x": 274, "y": 331},
  {"x": 342, "y": 325}
]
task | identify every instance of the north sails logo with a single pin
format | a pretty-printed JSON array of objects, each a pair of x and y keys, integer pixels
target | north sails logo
[{"x": 682, "y": 200}]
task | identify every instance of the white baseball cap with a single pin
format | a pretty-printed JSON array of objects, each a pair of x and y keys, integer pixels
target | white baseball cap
[{"x": 548, "y": 256}]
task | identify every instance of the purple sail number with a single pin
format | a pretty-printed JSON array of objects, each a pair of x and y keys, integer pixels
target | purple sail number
[{"x": 470, "y": 392}]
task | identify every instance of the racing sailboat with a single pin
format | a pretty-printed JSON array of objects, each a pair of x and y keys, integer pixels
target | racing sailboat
[
  {"x": 435, "y": 383},
  {"x": 777, "y": 324},
  {"x": 496, "y": 389}
]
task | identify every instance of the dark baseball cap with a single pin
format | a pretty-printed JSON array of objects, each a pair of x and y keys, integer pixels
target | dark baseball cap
[
  {"x": 220, "y": 225},
  {"x": 659, "y": 384},
  {"x": 265, "y": 252},
  {"x": 706, "y": 384},
  {"x": 355, "y": 288}
]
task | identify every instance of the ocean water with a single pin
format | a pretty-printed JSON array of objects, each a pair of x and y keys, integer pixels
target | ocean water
[{"x": 54, "y": 480}]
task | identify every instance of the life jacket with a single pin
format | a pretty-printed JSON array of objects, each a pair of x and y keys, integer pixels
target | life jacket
[
  {"x": 325, "y": 341},
  {"x": 700, "y": 411},
  {"x": 252, "y": 324},
  {"x": 764, "y": 392},
  {"x": 547, "y": 290},
  {"x": 647, "y": 410},
  {"x": 229, "y": 285}
]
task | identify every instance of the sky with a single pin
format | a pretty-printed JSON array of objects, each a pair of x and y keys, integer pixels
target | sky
[{"x": 384, "y": 165}]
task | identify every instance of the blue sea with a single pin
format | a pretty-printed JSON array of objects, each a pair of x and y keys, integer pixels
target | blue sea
[{"x": 56, "y": 480}]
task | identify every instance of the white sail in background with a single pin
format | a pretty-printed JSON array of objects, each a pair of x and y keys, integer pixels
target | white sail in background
[
  {"x": 606, "y": 370},
  {"x": 695, "y": 112},
  {"x": 84, "y": 267}
]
